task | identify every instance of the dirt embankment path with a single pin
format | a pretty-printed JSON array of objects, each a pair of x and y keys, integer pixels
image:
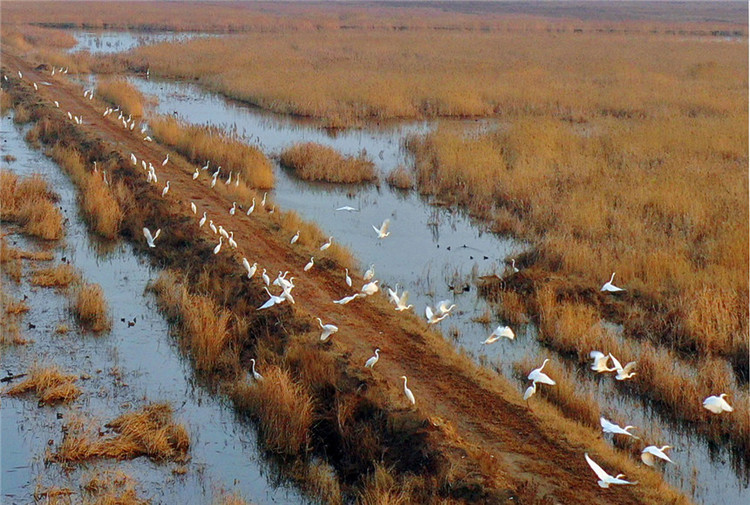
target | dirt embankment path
[{"x": 480, "y": 410}]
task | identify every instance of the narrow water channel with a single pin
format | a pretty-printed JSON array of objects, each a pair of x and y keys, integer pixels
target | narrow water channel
[{"x": 128, "y": 367}]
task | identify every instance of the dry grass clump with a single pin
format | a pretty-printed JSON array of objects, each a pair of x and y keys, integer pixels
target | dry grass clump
[
  {"x": 149, "y": 431},
  {"x": 6, "y": 102},
  {"x": 59, "y": 276},
  {"x": 22, "y": 115},
  {"x": 50, "y": 385},
  {"x": 316, "y": 162},
  {"x": 312, "y": 236},
  {"x": 203, "y": 325},
  {"x": 91, "y": 308},
  {"x": 121, "y": 93},
  {"x": 30, "y": 203},
  {"x": 113, "y": 487},
  {"x": 13, "y": 307},
  {"x": 201, "y": 143},
  {"x": 230, "y": 499},
  {"x": 283, "y": 408},
  {"x": 383, "y": 489},
  {"x": 321, "y": 481},
  {"x": 400, "y": 178}
]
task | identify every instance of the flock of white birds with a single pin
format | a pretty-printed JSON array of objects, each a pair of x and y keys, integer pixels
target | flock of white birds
[{"x": 649, "y": 455}]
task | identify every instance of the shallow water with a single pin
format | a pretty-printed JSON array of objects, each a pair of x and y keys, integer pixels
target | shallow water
[
  {"x": 417, "y": 256},
  {"x": 223, "y": 448},
  {"x": 104, "y": 42}
]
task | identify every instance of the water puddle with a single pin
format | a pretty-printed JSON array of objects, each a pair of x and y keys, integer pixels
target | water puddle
[
  {"x": 223, "y": 447},
  {"x": 105, "y": 42},
  {"x": 431, "y": 248}
]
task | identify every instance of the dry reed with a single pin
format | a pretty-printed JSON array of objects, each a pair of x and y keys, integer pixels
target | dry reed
[
  {"x": 316, "y": 162},
  {"x": 30, "y": 203},
  {"x": 113, "y": 487},
  {"x": 400, "y": 178},
  {"x": 90, "y": 308},
  {"x": 59, "y": 276},
  {"x": 121, "y": 93},
  {"x": 50, "y": 385}
]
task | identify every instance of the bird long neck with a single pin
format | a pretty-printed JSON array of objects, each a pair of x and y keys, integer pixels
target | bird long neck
[{"x": 611, "y": 279}]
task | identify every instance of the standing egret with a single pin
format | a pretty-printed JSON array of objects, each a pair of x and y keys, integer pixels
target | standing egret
[
  {"x": 371, "y": 362},
  {"x": 537, "y": 375},
  {"x": 57, "y": 104},
  {"x": 383, "y": 230},
  {"x": 165, "y": 190},
  {"x": 328, "y": 330},
  {"x": 295, "y": 238},
  {"x": 615, "y": 429},
  {"x": 256, "y": 375},
  {"x": 133, "y": 159},
  {"x": 165, "y": 160},
  {"x": 193, "y": 208},
  {"x": 347, "y": 278},
  {"x": 265, "y": 277},
  {"x": 600, "y": 362},
  {"x": 251, "y": 208},
  {"x": 500, "y": 332},
  {"x": 150, "y": 239},
  {"x": 223, "y": 232},
  {"x": 623, "y": 372},
  {"x": 250, "y": 269},
  {"x": 273, "y": 209},
  {"x": 232, "y": 242},
  {"x": 218, "y": 246},
  {"x": 651, "y": 452},
  {"x": 529, "y": 392},
  {"x": 370, "y": 273},
  {"x": 212, "y": 226},
  {"x": 370, "y": 288},
  {"x": 196, "y": 173},
  {"x": 408, "y": 392},
  {"x": 605, "y": 479},
  {"x": 229, "y": 179},
  {"x": 213, "y": 181},
  {"x": 263, "y": 201},
  {"x": 309, "y": 264},
  {"x": 513, "y": 266},
  {"x": 327, "y": 244},
  {"x": 233, "y": 209},
  {"x": 205, "y": 167},
  {"x": 609, "y": 287},
  {"x": 717, "y": 404},
  {"x": 202, "y": 221}
]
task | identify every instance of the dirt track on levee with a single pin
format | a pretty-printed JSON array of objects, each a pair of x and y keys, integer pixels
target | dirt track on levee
[{"x": 474, "y": 408}]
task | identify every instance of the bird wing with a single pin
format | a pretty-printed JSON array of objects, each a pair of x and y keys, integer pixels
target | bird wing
[
  {"x": 628, "y": 367},
  {"x": 246, "y": 264},
  {"x": 428, "y": 312},
  {"x": 147, "y": 234},
  {"x": 599, "y": 471},
  {"x": 544, "y": 379},
  {"x": 596, "y": 355},
  {"x": 616, "y": 362},
  {"x": 385, "y": 225},
  {"x": 607, "y": 425},
  {"x": 156, "y": 235},
  {"x": 505, "y": 331},
  {"x": 270, "y": 303},
  {"x": 647, "y": 457}
]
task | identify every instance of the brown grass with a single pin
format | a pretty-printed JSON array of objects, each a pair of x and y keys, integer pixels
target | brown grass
[
  {"x": 22, "y": 115},
  {"x": 203, "y": 325},
  {"x": 316, "y": 162},
  {"x": 230, "y": 499},
  {"x": 30, "y": 203},
  {"x": 149, "y": 432},
  {"x": 201, "y": 143},
  {"x": 13, "y": 307},
  {"x": 336, "y": 256},
  {"x": 9, "y": 253},
  {"x": 113, "y": 487},
  {"x": 400, "y": 178},
  {"x": 59, "y": 276},
  {"x": 121, "y": 93},
  {"x": 283, "y": 408},
  {"x": 50, "y": 385},
  {"x": 91, "y": 308}
]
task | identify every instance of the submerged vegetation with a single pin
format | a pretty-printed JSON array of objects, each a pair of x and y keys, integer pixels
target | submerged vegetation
[{"x": 316, "y": 162}]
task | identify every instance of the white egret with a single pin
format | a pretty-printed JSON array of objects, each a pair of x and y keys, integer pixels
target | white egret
[
  {"x": 615, "y": 429},
  {"x": 229, "y": 179},
  {"x": 287, "y": 292},
  {"x": 147, "y": 138},
  {"x": 196, "y": 173},
  {"x": 232, "y": 242},
  {"x": 433, "y": 318},
  {"x": 403, "y": 299},
  {"x": 651, "y": 452},
  {"x": 605, "y": 479},
  {"x": 165, "y": 190},
  {"x": 133, "y": 159},
  {"x": 295, "y": 238},
  {"x": 205, "y": 167},
  {"x": 347, "y": 208},
  {"x": 193, "y": 207},
  {"x": 408, "y": 392},
  {"x": 370, "y": 273},
  {"x": 256, "y": 375},
  {"x": 717, "y": 404},
  {"x": 265, "y": 277},
  {"x": 327, "y": 244},
  {"x": 309, "y": 264},
  {"x": 272, "y": 300},
  {"x": 150, "y": 239},
  {"x": 202, "y": 221},
  {"x": 250, "y": 269},
  {"x": 609, "y": 287},
  {"x": 273, "y": 209},
  {"x": 36, "y": 88},
  {"x": 443, "y": 307},
  {"x": 600, "y": 362},
  {"x": 20, "y": 75},
  {"x": 251, "y": 208},
  {"x": 263, "y": 201},
  {"x": 218, "y": 246},
  {"x": 623, "y": 372},
  {"x": 57, "y": 104},
  {"x": 513, "y": 266},
  {"x": 216, "y": 174},
  {"x": 500, "y": 332},
  {"x": 347, "y": 278},
  {"x": 328, "y": 330},
  {"x": 213, "y": 181},
  {"x": 383, "y": 230},
  {"x": 393, "y": 294},
  {"x": 537, "y": 375},
  {"x": 223, "y": 232},
  {"x": 233, "y": 209},
  {"x": 371, "y": 362},
  {"x": 165, "y": 160},
  {"x": 347, "y": 299},
  {"x": 212, "y": 226},
  {"x": 529, "y": 391},
  {"x": 370, "y": 288}
]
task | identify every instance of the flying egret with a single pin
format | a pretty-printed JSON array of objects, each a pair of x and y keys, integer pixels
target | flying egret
[
  {"x": 615, "y": 429},
  {"x": 256, "y": 375},
  {"x": 393, "y": 294},
  {"x": 347, "y": 208},
  {"x": 193, "y": 207},
  {"x": 347, "y": 278},
  {"x": 196, "y": 173},
  {"x": 272, "y": 300},
  {"x": 717, "y": 404},
  {"x": 370, "y": 273},
  {"x": 165, "y": 190},
  {"x": 232, "y": 242},
  {"x": 370, "y": 288},
  {"x": 537, "y": 375},
  {"x": 309, "y": 264},
  {"x": 408, "y": 392},
  {"x": 651, "y": 452},
  {"x": 623, "y": 372},
  {"x": 327, "y": 244},
  {"x": 265, "y": 277},
  {"x": 500, "y": 332},
  {"x": 202, "y": 221},
  {"x": 251, "y": 208},
  {"x": 403, "y": 299},
  {"x": 609, "y": 287},
  {"x": 165, "y": 160},
  {"x": 347, "y": 299},
  {"x": 295, "y": 238},
  {"x": 443, "y": 307},
  {"x": 605, "y": 479},
  {"x": 250, "y": 269},
  {"x": 383, "y": 230},
  {"x": 150, "y": 239},
  {"x": 218, "y": 246},
  {"x": 328, "y": 330},
  {"x": 433, "y": 318},
  {"x": 600, "y": 362},
  {"x": 233, "y": 209},
  {"x": 371, "y": 362}
]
